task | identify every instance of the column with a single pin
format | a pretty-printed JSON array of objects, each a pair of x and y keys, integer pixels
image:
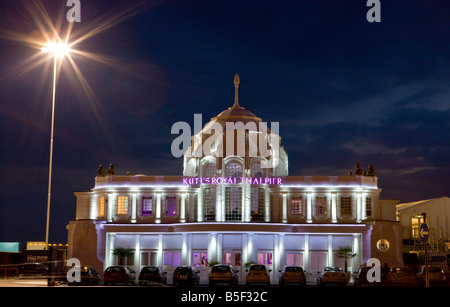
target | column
[
  {"x": 137, "y": 257},
  {"x": 133, "y": 207},
  {"x": 212, "y": 247},
  {"x": 333, "y": 208},
  {"x": 112, "y": 200},
  {"x": 358, "y": 207},
  {"x": 94, "y": 207},
  {"x": 284, "y": 208},
  {"x": 219, "y": 202},
  {"x": 111, "y": 238},
  {"x": 306, "y": 255},
  {"x": 219, "y": 245},
  {"x": 251, "y": 256},
  {"x": 330, "y": 251},
  {"x": 355, "y": 261},
  {"x": 364, "y": 206},
  {"x": 183, "y": 208},
  {"x": 160, "y": 260},
  {"x": 246, "y": 201},
  {"x": 267, "y": 204},
  {"x": 158, "y": 208},
  {"x": 200, "y": 204},
  {"x": 309, "y": 207},
  {"x": 280, "y": 255},
  {"x": 184, "y": 250}
]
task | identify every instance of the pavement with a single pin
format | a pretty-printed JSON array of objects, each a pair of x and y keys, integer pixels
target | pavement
[{"x": 15, "y": 282}]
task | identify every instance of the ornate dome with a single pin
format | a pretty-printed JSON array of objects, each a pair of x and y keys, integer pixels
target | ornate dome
[{"x": 238, "y": 135}]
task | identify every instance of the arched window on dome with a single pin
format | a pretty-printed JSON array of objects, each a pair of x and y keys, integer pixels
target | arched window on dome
[
  {"x": 209, "y": 170},
  {"x": 255, "y": 170},
  {"x": 234, "y": 170}
]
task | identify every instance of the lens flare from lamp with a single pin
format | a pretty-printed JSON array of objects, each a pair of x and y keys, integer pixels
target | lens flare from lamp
[{"x": 57, "y": 49}]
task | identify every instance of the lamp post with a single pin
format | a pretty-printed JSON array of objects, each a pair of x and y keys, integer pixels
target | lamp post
[{"x": 57, "y": 50}]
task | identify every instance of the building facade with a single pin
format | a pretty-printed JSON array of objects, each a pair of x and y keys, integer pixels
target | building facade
[
  {"x": 437, "y": 217},
  {"x": 234, "y": 204}
]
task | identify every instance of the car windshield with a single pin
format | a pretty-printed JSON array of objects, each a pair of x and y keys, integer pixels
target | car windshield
[
  {"x": 333, "y": 269},
  {"x": 220, "y": 268},
  {"x": 293, "y": 269},
  {"x": 258, "y": 268},
  {"x": 183, "y": 270},
  {"x": 114, "y": 269},
  {"x": 150, "y": 270}
]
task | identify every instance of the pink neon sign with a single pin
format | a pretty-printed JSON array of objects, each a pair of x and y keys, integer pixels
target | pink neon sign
[{"x": 232, "y": 180}]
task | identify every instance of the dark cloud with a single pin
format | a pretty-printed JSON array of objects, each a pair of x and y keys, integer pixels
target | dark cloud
[{"x": 343, "y": 90}]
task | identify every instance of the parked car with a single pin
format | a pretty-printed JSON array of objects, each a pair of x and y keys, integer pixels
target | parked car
[
  {"x": 223, "y": 273},
  {"x": 88, "y": 276},
  {"x": 186, "y": 275},
  {"x": 400, "y": 276},
  {"x": 118, "y": 274},
  {"x": 257, "y": 273},
  {"x": 292, "y": 274},
  {"x": 152, "y": 275},
  {"x": 361, "y": 277},
  {"x": 32, "y": 269},
  {"x": 436, "y": 275},
  {"x": 332, "y": 275}
]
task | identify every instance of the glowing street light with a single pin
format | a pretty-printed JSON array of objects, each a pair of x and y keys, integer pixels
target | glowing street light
[
  {"x": 56, "y": 50},
  {"x": 48, "y": 41}
]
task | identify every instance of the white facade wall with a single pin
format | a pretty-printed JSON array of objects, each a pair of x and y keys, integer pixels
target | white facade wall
[{"x": 311, "y": 251}]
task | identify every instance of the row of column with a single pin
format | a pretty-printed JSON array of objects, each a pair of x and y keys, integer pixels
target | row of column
[
  {"x": 245, "y": 203},
  {"x": 112, "y": 202},
  {"x": 248, "y": 250},
  {"x": 360, "y": 206}
]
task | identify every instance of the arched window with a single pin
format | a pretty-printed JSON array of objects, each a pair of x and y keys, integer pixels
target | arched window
[
  {"x": 255, "y": 170},
  {"x": 209, "y": 170},
  {"x": 233, "y": 170}
]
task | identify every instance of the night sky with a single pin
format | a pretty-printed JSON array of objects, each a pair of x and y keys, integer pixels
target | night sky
[{"x": 343, "y": 90}]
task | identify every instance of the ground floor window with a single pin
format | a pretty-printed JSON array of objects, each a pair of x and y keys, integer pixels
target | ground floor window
[
  {"x": 232, "y": 258},
  {"x": 293, "y": 258},
  {"x": 149, "y": 258},
  {"x": 317, "y": 261},
  {"x": 265, "y": 258},
  {"x": 172, "y": 258},
  {"x": 200, "y": 259}
]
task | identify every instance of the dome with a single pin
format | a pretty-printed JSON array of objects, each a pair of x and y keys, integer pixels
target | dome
[{"x": 237, "y": 135}]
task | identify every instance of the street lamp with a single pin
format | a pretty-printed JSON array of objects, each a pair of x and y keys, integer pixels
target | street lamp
[{"x": 56, "y": 50}]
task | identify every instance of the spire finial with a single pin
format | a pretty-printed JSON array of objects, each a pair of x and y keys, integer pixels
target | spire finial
[{"x": 236, "y": 86}]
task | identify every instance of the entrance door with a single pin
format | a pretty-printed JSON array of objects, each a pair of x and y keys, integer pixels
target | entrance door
[
  {"x": 317, "y": 261},
  {"x": 266, "y": 258},
  {"x": 172, "y": 259},
  {"x": 233, "y": 257},
  {"x": 200, "y": 263}
]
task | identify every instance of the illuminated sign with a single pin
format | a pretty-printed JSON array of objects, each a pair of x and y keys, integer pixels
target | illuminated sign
[{"x": 232, "y": 180}]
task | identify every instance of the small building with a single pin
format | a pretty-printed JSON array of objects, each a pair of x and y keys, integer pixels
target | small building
[{"x": 437, "y": 217}]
